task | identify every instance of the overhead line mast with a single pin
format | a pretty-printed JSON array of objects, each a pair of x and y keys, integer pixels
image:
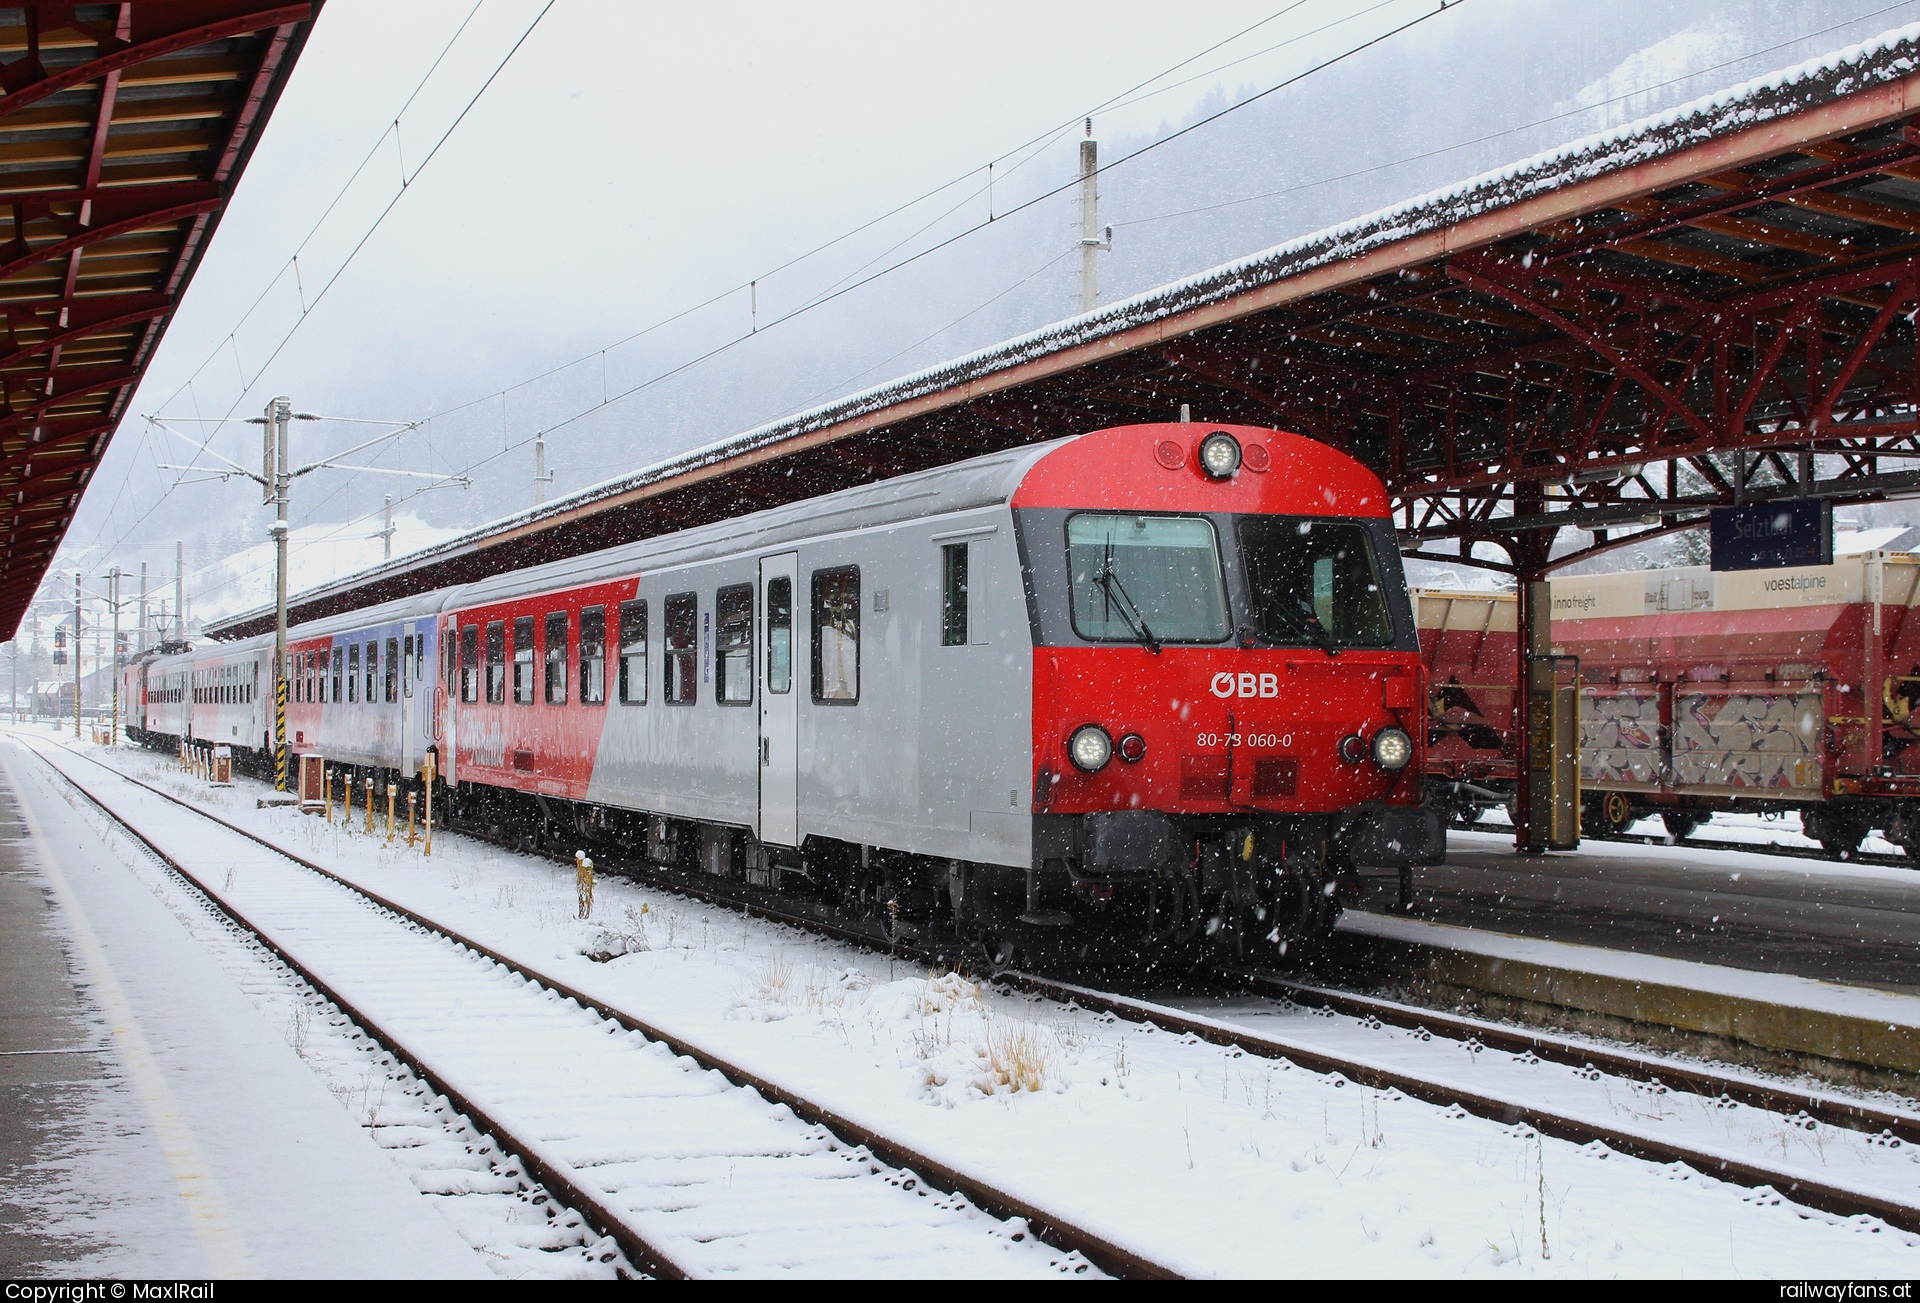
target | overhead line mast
[{"x": 1092, "y": 243}]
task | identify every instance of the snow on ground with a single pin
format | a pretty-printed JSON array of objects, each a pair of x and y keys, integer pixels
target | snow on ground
[
  {"x": 208, "y": 1149},
  {"x": 1212, "y": 1161}
]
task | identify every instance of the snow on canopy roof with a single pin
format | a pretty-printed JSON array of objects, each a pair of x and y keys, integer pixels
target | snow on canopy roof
[{"x": 1888, "y": 58}]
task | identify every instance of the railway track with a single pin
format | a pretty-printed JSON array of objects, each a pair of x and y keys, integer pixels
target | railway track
[
  {"x": 1762, "y": 848},
  {"x": 1692, "y": 842},
  {"x": 1796, "y": 1107},
  {"x": 1779, "y": 1097},
  {"x": 693, "y": 1165}
]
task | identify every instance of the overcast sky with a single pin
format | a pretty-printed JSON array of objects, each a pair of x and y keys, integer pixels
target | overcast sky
[{"x": 632, "y": 159}]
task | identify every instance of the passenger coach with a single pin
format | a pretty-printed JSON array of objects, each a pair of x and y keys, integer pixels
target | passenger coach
[{"x": 1156, "y": 684}]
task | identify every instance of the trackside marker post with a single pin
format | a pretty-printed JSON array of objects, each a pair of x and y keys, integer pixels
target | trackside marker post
[{"x": 427, "y": 853}]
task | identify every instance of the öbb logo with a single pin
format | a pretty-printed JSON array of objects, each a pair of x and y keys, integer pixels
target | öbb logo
[{"x": 1226, "y": 684}]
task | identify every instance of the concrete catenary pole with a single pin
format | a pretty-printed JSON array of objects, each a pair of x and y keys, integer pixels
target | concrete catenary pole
[
  {"x": 541, "y": 476},
  {"x": 279, "y": 416},
  {"x": 113, "y": 650},
  {"x": 143, "y": 606},
  {"x": 77, "y": 658},
  {"x": 179, "y": 590},
  {"x": 1093, "y": 241}
]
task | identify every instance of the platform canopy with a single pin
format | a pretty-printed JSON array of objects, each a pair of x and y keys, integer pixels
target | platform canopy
[
  {"x": 1582, "y": 340},
  {"x": 123, "y": 131}
]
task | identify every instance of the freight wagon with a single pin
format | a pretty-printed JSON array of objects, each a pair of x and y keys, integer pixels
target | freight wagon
[
  {"x": 1763, "y": 690},
  {"x": 1760, "y": 691},
  {"x": 1468, "y": 640}
]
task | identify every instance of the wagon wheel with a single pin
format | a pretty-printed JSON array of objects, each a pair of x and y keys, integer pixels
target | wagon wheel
[
  {"x": 1611, "y": 815},
  {"x": 1681, "y": 824},
  {"x": 1838, "y": 833},
  {"x": 1301, "y": 914}
]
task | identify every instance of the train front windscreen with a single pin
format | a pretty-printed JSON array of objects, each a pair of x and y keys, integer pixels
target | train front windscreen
[
  {"x": 1302, "y": 581},
  {"x": 1315, "y": 581},
  {"x": 1153, "y": 579}
]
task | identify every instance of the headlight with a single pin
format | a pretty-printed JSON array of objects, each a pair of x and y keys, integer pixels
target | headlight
[
  {"x": 1090, "y": 748},
  {"x": 1220, "y": 454},
  {"x": 1392, "y": 748}
]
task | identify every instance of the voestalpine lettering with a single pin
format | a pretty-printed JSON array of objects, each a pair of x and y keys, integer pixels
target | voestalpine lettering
[
  {"x": 1227, "y": 684},
  {"x": 1792, "y": 583}
]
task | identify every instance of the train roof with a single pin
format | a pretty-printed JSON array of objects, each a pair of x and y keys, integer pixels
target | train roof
[{"x": 987, "y": 481}]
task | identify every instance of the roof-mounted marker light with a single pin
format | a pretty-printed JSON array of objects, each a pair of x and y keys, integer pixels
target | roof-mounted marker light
[{"x": 1220, "y": 454}]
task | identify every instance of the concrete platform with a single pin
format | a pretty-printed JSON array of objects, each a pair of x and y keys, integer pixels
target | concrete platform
[
  {"x": 1849, "y": 924},
  {"x": 151, "y": 1123}
]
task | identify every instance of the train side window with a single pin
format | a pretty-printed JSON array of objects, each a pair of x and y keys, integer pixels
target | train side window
[
  {"x": 496, "y": 662},
  {"x": 407, "y": 666},
  {"x": 733, "y": 645},
  {"x": 393, "y": 669},
  {"x": 836, "y": 636},
  {"x": 780, "y": 635},
  {"x": 633, "y": 653},
  {"x": 337, "y": 655},
  {"x": 470, "y": 663},
  {"x": 593, "y": 655},
  {"x": 373, "y": 669},
  {"x": 353, "y": 671},
  {"x": 679, "y": 680},
  {"x": 556, "y": 688},
  {"x": 953, "y": 595},
  {"x": 523, "y": 660}
]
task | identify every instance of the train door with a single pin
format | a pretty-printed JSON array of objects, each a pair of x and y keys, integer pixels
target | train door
[
  {"x": 446, "y": 695},
  {"x": 410, "y": 697},
  {"x": 779, "y": 712}
]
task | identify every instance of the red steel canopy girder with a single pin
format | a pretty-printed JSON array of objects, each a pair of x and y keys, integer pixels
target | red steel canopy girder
[
  {"x": 1581, "y": 341},
  {"x": 123, "y": 130}
]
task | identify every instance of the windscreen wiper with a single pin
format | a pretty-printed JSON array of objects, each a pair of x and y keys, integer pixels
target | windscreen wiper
[
  {"x": 1308, "y": 625},
  {"x": 1118, "y": 596}
]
